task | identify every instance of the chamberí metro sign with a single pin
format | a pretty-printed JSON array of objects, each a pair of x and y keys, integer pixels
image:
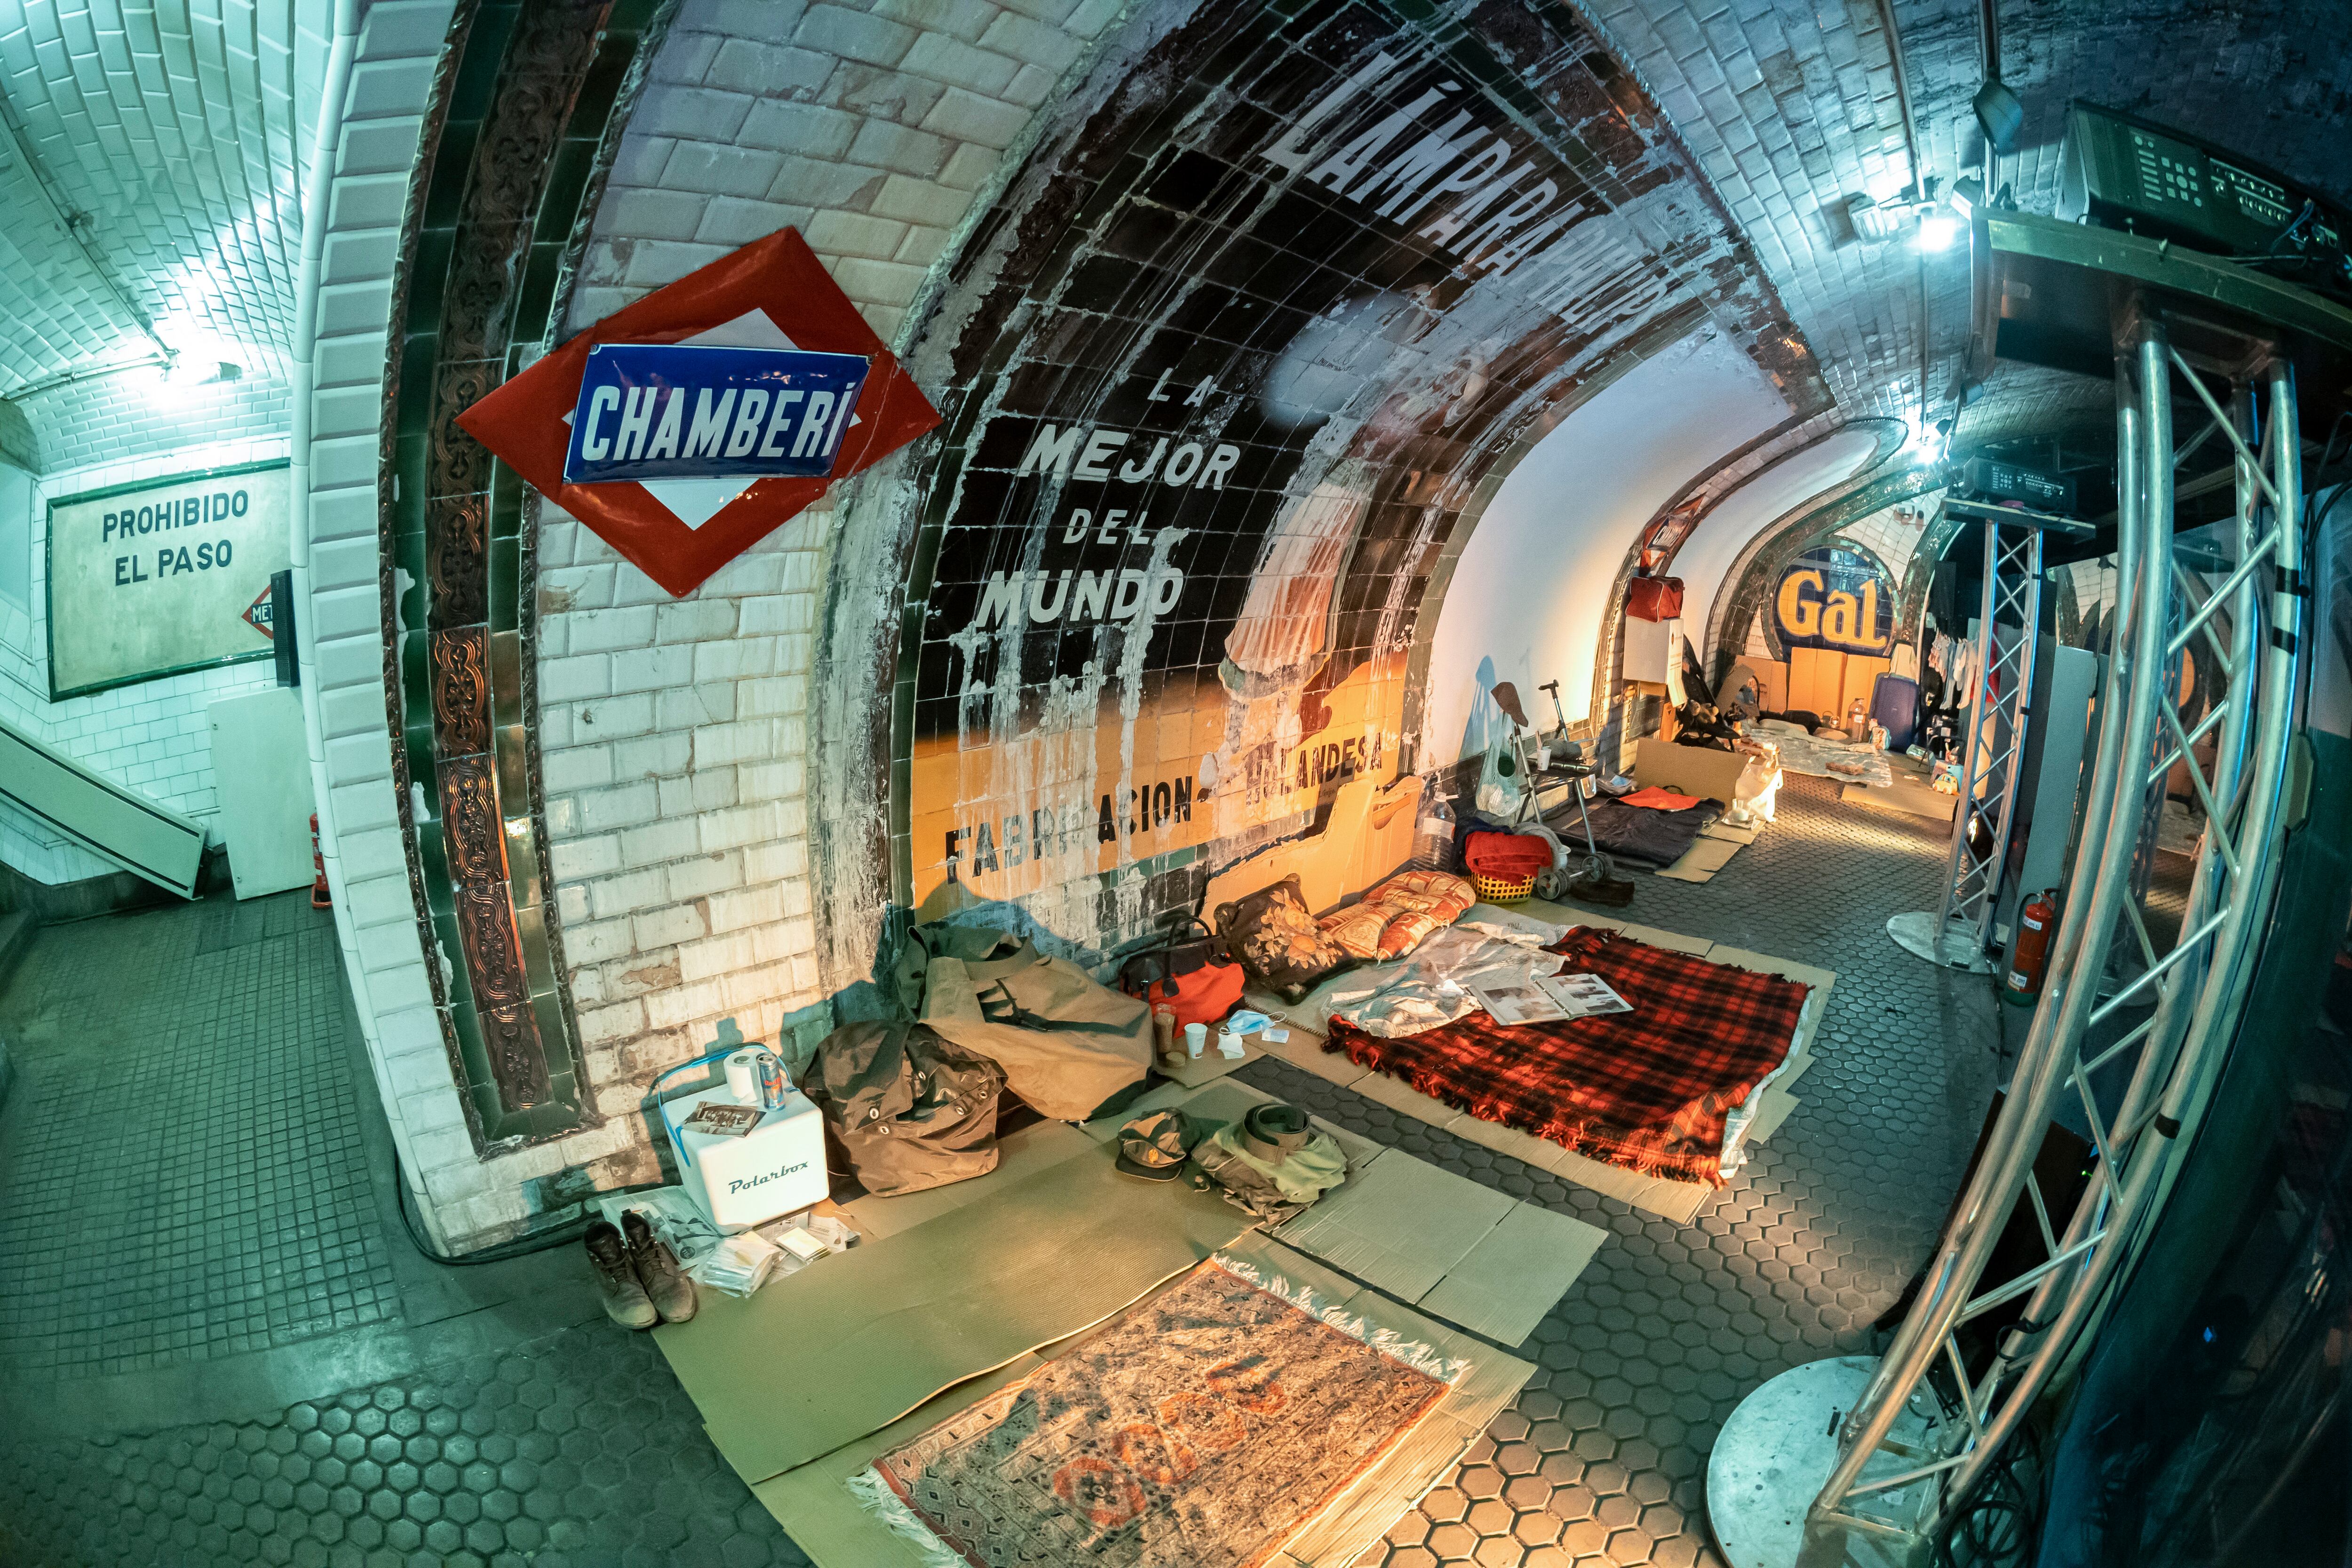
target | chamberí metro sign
[
  {"x": 686, "y": 428},
  {"x": 651, "y": 412}
]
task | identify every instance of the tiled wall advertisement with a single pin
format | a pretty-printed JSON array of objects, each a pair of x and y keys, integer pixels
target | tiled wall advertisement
[
  {"x": 151, "y": 735},
  {"x": 1238, "y": 352}
]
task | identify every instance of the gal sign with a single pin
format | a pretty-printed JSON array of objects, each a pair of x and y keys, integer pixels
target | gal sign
[
  {"x": 662, "y": 411},
  {"x": 1829, "y": 606}
]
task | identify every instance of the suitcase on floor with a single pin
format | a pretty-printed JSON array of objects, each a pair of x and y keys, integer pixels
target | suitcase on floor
[{"x": 1895, "y": 702}]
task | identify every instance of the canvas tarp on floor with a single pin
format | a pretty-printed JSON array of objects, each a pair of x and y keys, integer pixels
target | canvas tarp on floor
[
  {"x": 1477, "y": 1257},
  {"x": 828, "y": 1354}
]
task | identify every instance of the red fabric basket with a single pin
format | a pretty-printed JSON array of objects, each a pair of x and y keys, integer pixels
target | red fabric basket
[{"x": 1506, "y": 856}]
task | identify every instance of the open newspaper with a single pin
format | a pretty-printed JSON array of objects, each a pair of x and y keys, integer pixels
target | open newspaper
[{"x": 1549, "y": 998}]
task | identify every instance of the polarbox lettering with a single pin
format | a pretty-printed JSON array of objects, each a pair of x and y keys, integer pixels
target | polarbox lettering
[{"x": 745, "y": 1183}]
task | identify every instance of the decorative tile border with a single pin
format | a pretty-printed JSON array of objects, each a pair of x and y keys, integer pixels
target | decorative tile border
[{"x": 512, "y": 148}]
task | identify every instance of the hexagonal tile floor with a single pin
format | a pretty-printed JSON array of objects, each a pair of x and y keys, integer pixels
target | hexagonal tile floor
[
  {"x": 1603, "y": 1459},
  {"x": 577, "y": 1450},
  {"x": 581, "y": 1448}
]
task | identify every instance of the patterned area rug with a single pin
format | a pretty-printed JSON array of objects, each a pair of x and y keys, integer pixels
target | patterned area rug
[{"x": 1199, "y": 1431}]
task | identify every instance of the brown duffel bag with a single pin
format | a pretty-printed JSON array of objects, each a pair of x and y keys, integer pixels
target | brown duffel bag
[
  {"x": 1068, "y": 1046},
  {"x": 910, "y": 1109}
]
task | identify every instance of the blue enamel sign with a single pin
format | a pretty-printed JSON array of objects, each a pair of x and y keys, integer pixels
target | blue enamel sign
[{"x": 665, "y": 411}]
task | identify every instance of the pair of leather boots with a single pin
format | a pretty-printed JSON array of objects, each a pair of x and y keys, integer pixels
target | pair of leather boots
[{"x": 637, "y": 1275}]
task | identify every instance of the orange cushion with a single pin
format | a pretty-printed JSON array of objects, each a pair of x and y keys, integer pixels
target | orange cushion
[{"x": 1396, "y": 917}]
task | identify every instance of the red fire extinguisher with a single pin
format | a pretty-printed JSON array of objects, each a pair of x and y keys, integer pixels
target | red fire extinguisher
[
  {"x": 2034, "y": 925},
  {"x": 319, "y": 898}
]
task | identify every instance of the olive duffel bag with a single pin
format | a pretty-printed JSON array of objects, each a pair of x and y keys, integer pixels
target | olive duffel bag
[
  {"x": 1069, "y": 1046},
  {"x": 910, "y": 1108}
]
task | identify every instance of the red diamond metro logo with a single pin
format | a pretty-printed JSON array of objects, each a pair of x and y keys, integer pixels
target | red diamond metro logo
[{"x": 772, "y": 293}]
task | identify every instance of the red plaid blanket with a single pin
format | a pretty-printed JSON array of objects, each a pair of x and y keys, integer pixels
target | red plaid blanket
[{"x": 1648, "y": 1089}]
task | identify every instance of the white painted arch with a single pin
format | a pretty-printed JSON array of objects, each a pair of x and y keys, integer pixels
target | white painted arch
[{"x": 1532, "y": 584}]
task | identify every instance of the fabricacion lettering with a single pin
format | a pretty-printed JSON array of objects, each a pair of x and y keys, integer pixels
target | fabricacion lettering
[
  {"x": 1487, "y": 211},
  {"x": 996, "y": 844}
]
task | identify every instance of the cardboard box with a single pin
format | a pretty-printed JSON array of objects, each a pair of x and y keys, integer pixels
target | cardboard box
[
  {"x": 1827, "y": 683},
  {"x": 1689, "y": 770}
]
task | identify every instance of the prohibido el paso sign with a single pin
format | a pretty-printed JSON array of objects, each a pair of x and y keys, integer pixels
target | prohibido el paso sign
[{"x": 153, "y": 578}]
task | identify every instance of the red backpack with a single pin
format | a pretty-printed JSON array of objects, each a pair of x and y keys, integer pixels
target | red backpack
[{"x": 1191, "y": 976}]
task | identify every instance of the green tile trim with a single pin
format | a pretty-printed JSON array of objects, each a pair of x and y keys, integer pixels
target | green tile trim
[{"x": 480, "y": 276}]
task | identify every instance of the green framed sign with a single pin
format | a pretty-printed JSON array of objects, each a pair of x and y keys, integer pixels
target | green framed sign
[{"x": 164, "y": 576}]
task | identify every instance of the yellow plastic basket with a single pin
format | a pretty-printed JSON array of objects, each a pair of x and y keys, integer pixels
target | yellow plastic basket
[{"x": 1495, "y": 890}]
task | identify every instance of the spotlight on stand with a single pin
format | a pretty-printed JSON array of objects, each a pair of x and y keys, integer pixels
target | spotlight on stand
[
  {"x": 2000, "y": 115},
  {"x": 1872, "y": 223},
  {"x": 1937, "y": 231}
]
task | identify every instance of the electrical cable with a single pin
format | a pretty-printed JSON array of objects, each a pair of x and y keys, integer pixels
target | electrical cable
[{"x": 505, "y": 1252}]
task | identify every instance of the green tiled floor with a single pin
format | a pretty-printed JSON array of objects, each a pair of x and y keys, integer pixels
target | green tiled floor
[{"x": 183, "y": 1156}]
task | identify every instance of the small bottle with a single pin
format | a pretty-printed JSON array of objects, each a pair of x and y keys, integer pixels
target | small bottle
[
  {"x": 1433, "y": 836},
  {"x": 773, "y": 1086}
]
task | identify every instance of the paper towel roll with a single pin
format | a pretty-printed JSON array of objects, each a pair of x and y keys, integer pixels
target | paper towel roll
[{"x": 743, "y": 1077}]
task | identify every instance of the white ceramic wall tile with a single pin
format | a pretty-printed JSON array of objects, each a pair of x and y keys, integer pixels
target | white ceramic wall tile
[
  {"x": 176, "y": 135},
  {"x": 383, "y": 952}
]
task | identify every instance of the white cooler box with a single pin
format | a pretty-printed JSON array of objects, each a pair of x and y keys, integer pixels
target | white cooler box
[{"x": 777, "y": 1168}]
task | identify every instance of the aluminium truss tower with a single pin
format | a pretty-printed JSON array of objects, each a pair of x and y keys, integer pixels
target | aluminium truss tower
[
  {"x": 2166, "y": 1063},
  {"x": 1863, "y": 1459},
  {"x": 2000, "y": 711}
]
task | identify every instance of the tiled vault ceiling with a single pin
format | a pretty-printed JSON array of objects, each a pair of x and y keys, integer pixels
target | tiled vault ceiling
[
  {"x": 151, "y": 163},
  {"x": 1792, "y": 108}
]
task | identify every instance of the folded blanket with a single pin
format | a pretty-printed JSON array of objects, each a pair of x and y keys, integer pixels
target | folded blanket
[
  {"x": 1651, "y": 1089},
  {"x": 1644, "y": 834},
  {"x": 1658, "y": 799},
  {"x": 1506, "y": 856}
]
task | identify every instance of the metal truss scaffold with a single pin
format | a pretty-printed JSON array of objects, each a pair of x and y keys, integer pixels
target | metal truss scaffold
[
  {"x": 1999, "y": 714},
  {"x": 1892, "y": 1481}
]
